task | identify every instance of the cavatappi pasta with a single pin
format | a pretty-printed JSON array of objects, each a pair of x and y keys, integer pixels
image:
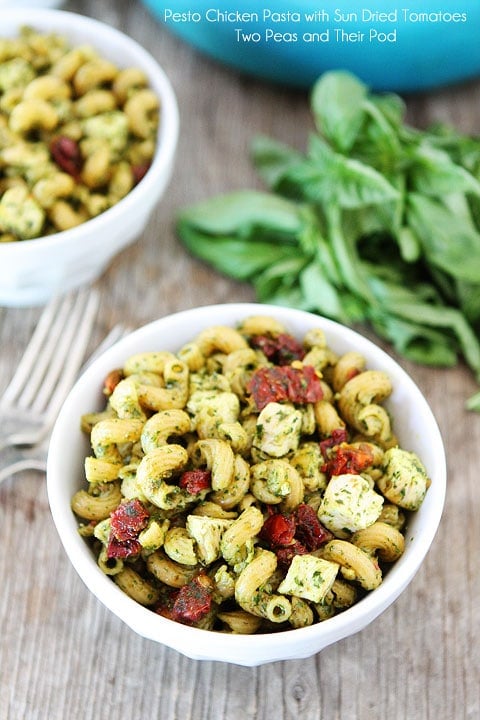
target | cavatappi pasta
[
  {"x": 76, "y": 133},
  {"x": 234, "y": 486}
]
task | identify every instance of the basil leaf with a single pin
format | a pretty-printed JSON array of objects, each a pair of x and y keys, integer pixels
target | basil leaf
[
  {"x": 280, "y": 280},
  {"x": 409, "y": 245},
  {"x": 447, "y": 241},
  {"x": 337, "y": 106},
  {"x": 434, "y": 173},
  {"x": 231, "y": 256},
  {"x": 286, "y": 297},
  {"x": 474, "y": 208},
  {"x": 391, "y": 106},
  {"x": 448, "y": 318},
  {"x": 272, "y": 159},
  {"x": 459, "y": 205},
  {"x": 402, "y": 302},
  {"x": 462, "y": 149},
  {"x": 378, "y": 143},
  {"x": 313, "y": 242},
  {"x": 328, "y": 178},
  {"x": 415, "y": 341},
  {"x": 473, "y": 403},
  {"x": 346, "y": 256},
  {"x": 468, "y": 295},
  {"x": 320, "y": 295},
  {"x": 243, "y": 210}
]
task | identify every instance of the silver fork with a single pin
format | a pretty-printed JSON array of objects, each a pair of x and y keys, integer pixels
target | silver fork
[
  {"x": 17, "y": 460},
  {"x": 47, "y": 369},
  {"x": 14, "y": 459}
]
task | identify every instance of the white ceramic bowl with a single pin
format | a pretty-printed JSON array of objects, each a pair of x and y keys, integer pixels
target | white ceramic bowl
[
  {"x": 413, "y": 422},
  {"x": 32, "y": 271}
]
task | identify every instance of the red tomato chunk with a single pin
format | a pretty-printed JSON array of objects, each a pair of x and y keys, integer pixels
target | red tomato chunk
[
  {"x": 128, "y": 519},
  {"x": 193, "y": 601},
  {"x": 339, "y": 435},
  {"x": 66, "y": 154},
  {"x": 310, "y": 531},
  {"x": 111, "y": 381},
  {"x": 299, "y": 533},
  {"x": 283, "y": 384},
  {"x": 280, "y": 350},
  {"x": 122, "y": 548},
  {"x": 347, "y": 459},
  {"x": 194, "y": 481},
  {"x": 139, "y": 171},
  {"x": 278, "y": 529}
]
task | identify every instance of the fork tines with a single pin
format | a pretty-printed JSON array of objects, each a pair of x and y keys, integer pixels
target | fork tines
[{"x": 54, "y": 355}]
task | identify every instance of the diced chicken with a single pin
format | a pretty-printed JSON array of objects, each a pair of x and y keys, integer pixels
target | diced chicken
[
  {"x": 349, "y": 504},
  {"x": 309, "y": 577},
  {"x": 207, "y": 533},
  {"x": 278, "y": 429},
  {"x": 405, "y": 479}
]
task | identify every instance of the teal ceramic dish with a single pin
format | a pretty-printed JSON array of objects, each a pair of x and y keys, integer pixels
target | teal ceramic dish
[{"x": 389, "y": 46}]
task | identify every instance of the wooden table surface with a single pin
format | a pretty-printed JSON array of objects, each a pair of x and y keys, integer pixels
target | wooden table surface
[{"x": 62, "y": 655}]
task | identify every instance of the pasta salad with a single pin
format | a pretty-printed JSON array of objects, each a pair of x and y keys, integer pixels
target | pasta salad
[
  {"x": 250, "y": 482},
  {"x": 77, "y": 133}
]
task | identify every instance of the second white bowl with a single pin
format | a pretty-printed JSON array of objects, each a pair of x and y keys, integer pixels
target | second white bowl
[{"x": 32, "y": 271}]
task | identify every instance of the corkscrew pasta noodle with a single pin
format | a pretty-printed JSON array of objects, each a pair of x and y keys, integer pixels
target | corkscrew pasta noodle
[{"x": 234, "y": 486}]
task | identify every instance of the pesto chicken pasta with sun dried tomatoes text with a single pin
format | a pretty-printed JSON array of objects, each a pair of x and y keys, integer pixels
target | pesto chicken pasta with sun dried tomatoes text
[{"x": 250, "y": 482}]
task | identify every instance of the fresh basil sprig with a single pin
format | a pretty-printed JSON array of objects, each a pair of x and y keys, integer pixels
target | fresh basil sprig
[{"x": 375, "y": 222}]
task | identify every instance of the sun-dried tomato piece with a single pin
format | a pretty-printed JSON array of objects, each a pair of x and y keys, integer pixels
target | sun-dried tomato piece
[
  {"x": 305, "y": 386},
  {"x": 268, "y": 385},
  {"x": 353, "y": 372},
  {"x": 281, "y": 349},
  {"x": 278, "y": 529},
  {"x": 128, "y": 519},
  {"x": 348, "y": 459},
  {"x": 66, "y": 154},
  {"x": 338, "y": 436},
  {"x": 194, "y": 481},
  {"x": 193, "y": 601},
  {"x": 310, "y": 531},
  {"x": 122, "y": 548},
  {"x": 266, "y": 344},
  {"x": 111, "y": 381},
  {"x": 139, "y": 171},
  {"x": 280, "y": 384},
  {"x": 168, "y": 596},
  {"x": 286, "y": 554}
]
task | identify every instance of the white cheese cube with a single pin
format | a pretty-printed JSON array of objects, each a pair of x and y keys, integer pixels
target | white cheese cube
[
  {"x": 349, "y": 504},
  {"x": 309, "y": 577}
]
